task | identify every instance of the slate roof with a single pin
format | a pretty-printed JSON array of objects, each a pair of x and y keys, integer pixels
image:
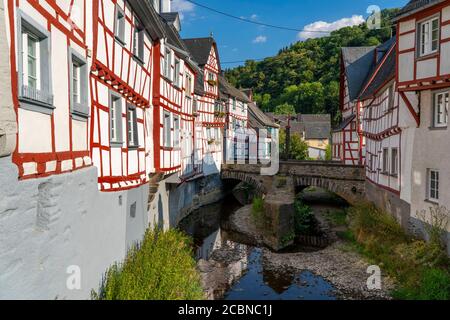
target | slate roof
[
  {"x": 345, "y": 123},
  {"x": 258, "y": 119},
  {"x": 199, "y": 86},
  {"x": 358, "y": 63},
  {"x": 200, "y": 48},
  {"x": 173, "y": 37},
  {"x": 227, "y": 89},
  {"x": 414, "y": 6},
  {"x": 315, "y": 126},
  {"x": 317, "y": 130},
  {"x": 148, "y": 17},
  {"x": 170, "y": 17},
  {"x": 385, "y": 73}
]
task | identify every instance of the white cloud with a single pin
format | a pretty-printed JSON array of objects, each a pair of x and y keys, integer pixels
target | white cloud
[
  {"x": 254, "y": 17},
  {"x": 182, "y": 7},
  {"x": 310, "y": 29},
  {"x": 260, "y": 39}
]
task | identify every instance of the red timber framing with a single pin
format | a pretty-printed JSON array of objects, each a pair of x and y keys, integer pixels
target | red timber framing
[
  {"x": 210, "y": 119},
  {"x": 174, "y": 121},
  {"x": 120, "y": 86},
  {"x": 432, "y": 71},
  {"x": 49, "y": 143},
  {"x": 348, "y": 147}
]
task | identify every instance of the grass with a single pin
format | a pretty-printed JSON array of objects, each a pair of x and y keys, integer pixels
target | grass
[
  {"x": 421, "y": 268},
  {"x": 162, "y": 267}
]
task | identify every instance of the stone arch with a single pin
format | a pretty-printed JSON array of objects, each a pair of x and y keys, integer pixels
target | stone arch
[
  {"x": 350, "y": 191},
  {"x": 260, "y": 190}
]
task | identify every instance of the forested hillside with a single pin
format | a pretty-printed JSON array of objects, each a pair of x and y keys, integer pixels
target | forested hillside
[{"x": 305, "y": 75}]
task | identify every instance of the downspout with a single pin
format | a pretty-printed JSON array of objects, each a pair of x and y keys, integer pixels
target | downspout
[{"x": 8, "y": 122}]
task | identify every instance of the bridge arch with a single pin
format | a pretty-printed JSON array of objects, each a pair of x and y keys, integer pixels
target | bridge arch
[
  {"x": 260, "y": 189},
  {"x": 350, "y": 191}
]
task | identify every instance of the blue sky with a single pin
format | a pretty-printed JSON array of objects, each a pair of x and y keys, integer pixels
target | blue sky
[{"x": 240, "y": 41}]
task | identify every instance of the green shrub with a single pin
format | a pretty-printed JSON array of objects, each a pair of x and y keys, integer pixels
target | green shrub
[
  {"x": 160, "y": 268},
  {"x": 304, "y": 220},
  {"x": 421, "y": 268}
]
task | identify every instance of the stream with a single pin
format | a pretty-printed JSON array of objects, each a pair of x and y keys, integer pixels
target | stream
[{"x": 237, "y": 271}]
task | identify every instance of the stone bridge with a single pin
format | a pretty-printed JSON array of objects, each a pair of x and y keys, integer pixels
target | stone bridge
[
  {"x": 346, "y": 181},
  {"x": 279, "y": 191}
]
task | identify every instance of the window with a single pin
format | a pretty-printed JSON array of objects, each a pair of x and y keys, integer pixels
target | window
[
  {"x": 167, "y": 64},
  {"x": 429, "y": 36},
  {"x": 167, "y": 131},
  {"x": 120, "y": 25},
  {"x": 385, "y": 160},
  {"x": 115, "y": 115},
  {"x": 133, "y": 140},
  {"x": 394, "y": 161},
  {"x": 138, "y": 41},
  {"x": 441, "y": 101},
  {"x": 188, "y": 84},
  {"x": 79, "y": 98},
  {"x": 34, "y": 83},
  {"x": 433, "y": 185},
  {"x": 176, "y": 133},
  {"x": 234, "y": 104},
  {"x": 176, "y": 77}
]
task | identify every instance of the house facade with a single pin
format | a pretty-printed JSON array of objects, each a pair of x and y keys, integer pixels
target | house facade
[
  {"x": 423, "y": 74},
  {"x": 348, "y": 144},
  {"x": 210, "y": 121},
  {"x": 236, "y": 144}
]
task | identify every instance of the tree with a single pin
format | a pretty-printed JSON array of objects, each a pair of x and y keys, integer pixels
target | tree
[
  {"x": 328, "y": 153},
  {"x": 298, "y": 148},
  {"x": 285, "y": 109},
  {"x": 306, "y": 74}
]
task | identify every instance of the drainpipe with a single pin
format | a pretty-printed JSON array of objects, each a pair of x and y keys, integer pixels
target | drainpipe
[{"x": 8, "y": 122}]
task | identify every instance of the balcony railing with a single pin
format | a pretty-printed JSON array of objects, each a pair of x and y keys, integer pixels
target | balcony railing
[{"x": 33, "y": 94}]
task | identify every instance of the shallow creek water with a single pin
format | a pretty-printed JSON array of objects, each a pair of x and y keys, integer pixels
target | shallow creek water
[{"x": 242, "y": 266}]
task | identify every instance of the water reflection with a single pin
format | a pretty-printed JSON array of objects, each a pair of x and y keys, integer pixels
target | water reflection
[
  {"x": 236, "y": 271},
  {"x": 261, "y": 284}
]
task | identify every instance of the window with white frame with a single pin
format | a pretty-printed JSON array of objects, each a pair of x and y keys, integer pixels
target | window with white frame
[
  {"x": 78, "y": 72},
  {"x": 167, "y": 63},
  {"x": 138, "y": 40},
  {"x": 177, "y": 70},
  {"x": 234, "y": 104},
  {"x": 115, "y": 115},
  {"x": 167, "y": 130},
  {"x": 441, "y": 102},
  {"x": 34, "y": 65},
  {"x": 394, "y": 161},
  {"x": 429, "y": 36},
  {"x": 119, "y": 28},
  {"x": 433, "y": 185},
  {"x": 176, "y": 131},
  {"x": 133, "y": 137},
  {"x": 385, "y": 160}
]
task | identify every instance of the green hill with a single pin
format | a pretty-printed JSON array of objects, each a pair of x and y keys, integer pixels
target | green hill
[{"x": 306, "y": 74}]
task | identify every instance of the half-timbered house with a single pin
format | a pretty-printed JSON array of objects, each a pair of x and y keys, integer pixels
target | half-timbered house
[
  {"x": 423, "y": 81},
  {"x": 210, "y": 120},
  {"x": 348, "y": 143},
  {"x": 49, "y": 59},
  {"x": 235, "y": 145}
]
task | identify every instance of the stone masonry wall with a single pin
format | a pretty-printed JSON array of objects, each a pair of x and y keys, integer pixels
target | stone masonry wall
[{"x": 50, "y": 224}]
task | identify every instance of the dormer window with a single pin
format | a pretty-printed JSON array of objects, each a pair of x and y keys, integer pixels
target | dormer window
[{"x": 429, "y": 36}]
